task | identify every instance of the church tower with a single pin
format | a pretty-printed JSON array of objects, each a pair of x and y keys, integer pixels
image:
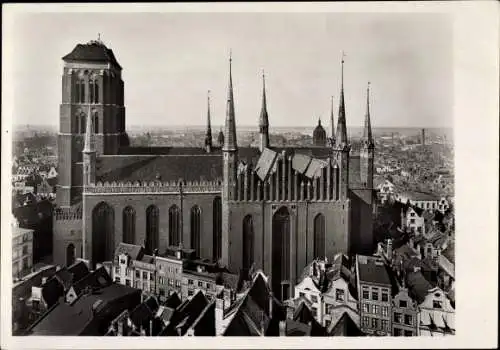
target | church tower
[
  {"x": 264, "y": 119},
  {"x": 230, "y": 161},
  {"x": 367, "y": 148},
  {"x": 91, "y": 77},
  {"x": 341, "y": 146}
]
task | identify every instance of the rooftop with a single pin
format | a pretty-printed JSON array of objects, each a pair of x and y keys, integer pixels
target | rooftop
[
  {"x": 372, "y": 270},
  {"x": 93, "y": 51}
]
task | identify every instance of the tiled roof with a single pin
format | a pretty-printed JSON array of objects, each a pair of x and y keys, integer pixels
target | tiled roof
[
  {"x": 418, "y": 286},
  {"x": 420, "y": 196},
  {"x": 95, "y": 280},
  {"x": 186, "y": 314},
  {"x": 372, "y": 271},
  {"x": 93, "y": 51},
  {"x": 134, "y": 251},
  {"x": 52, "y": 290},
  {"x": 344, "y": 327},
  {"x": 163, "y": 168},
  {"x": 79, "y": 270},
  {"x": 73, "y": 320}
]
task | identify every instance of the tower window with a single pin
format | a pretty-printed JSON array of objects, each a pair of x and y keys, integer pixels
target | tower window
[
  {"x": 80, "y": 91},
  {"x": 94, "y": 91}
]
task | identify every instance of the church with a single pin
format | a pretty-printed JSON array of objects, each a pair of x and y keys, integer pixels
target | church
[{"x": 267, "y": 207}]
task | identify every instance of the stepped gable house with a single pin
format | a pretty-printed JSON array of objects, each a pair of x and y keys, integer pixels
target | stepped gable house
[{"x": 276, "y": 208}]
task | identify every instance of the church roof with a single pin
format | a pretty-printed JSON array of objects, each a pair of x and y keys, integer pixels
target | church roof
[
  {"x": 94, "y": 51},
  {"x": 163, "y": 168}
]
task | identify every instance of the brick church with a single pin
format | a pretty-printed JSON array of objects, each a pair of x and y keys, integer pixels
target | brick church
[{"x": 273, "y": 208}]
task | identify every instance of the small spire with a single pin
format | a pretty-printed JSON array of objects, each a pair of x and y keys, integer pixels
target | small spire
[
  {"x": 341, "y": 136},
  {"x": 264, "y": 118},
  {"x": 332, "y": 120},
  {"x": 208, "y": 135},
  {"x": 230, "y": 143},
  {"x": 319, "y": 121},
  {"x": 89, "y": 134},
  {"x": 367, "y": 131}
]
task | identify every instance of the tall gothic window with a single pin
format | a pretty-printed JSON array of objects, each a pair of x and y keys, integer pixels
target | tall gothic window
[
  {"x": 152, "y": 228},
  {"x": 174, "y": 225},
  {"x": 196, "y": 229},
  {"x": 80, "y": 91},
  {"x": 248, "y": 241},
  {"x": 129, "y": 225},
  {"x": 103, "y": 233},
  {"x": 217, "y": 229},
  {"x": 83, "y": 120},
  {"x": 96, "y": 122},
  {"x": 93, "y": 91},
  {"x": 319, "y": 236},
  {"x": 281, "y": 253},
  {"x": 337, "y": 183}
]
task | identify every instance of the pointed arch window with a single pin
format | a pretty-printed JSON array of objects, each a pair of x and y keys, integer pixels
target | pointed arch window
[
  {"x": 174, "y": 225},
  {"x": 217, "y": 228},
  {"x": 248, "y": 242},
  {"x": 196, "y": 229},
  {"x": 96, "y": 122},
  {"x": 83, "y": 121},
  {"x": 80, "y": 91},
  {"x": 319, "y": 236},
  {"x": 93, "y": 90},
  {"x": 152, "y": 228},
  {"x": 129, "y": 225}
]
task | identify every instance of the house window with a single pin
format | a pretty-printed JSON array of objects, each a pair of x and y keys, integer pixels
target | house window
[
  {"x": 339, "y": 295},
  {"x": 117, "y": 269},
  {"x": 385, "y": 311},
  {"x": 385, "y": 296},
  {"x": 366, "y": 321},
  {"x": 408, "y": 334},
  {"x": 374, "y": 323},
  {"x": 436, "y": 304},
  {"x": 190, "y": 282},
  {"x": 208, "y": 285},
  {"x": 397, "y": 332},
  {"x": 375, "y": 309},
  {"x": 314, "y": 298},
  {"x": 397, "y": 317},
  {"x": 385, "y": 325},
  {"x": 403, "y": 303},
  {"x": 177, "y": 283},
  {"x": 151, "y": 276},
  {"x": 301, "y": 294},
  {"x": 117, "y": 279},
  {"x": 144, "y": 275},
  {"x": 366, "y": 308},
  {"x": 366, "y": 294},
  {"x": 127, "y": 282},
  {"x": 170, "y": 282},
  {"x": 200, "y": 284},
  {"x": 375, "y": 295},
  {"x": 136, "y": 284},
  {"x": 408, "y": 320},
  {"x": 412, "y": 221},
  {"x": 137, "y": 274},
  {"x": 190, "y": 293},
  {"x": 328, "y": 308}
]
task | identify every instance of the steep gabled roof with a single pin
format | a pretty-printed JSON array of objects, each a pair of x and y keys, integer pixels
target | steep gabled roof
[{"x": 345, "y": 327}]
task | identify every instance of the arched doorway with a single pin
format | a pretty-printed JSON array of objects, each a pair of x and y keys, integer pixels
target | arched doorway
[
  {"x": 217, "y": 229},
  {"x": 281, "y": 254},
  {"x": 319, "y": 236},
  {"x": 248, "y": 239},
  {"x": 103, "y": 233},
  {"x": 152, "y": 228},
  {"x": 70, "y": 254}
]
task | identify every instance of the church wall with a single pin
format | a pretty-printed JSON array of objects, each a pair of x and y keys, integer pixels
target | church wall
[
  {"x": 361, "y": 221},
  {"x": 140, "y": 202}
]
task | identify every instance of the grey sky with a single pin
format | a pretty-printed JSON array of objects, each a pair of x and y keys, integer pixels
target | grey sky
[{"x": 170, "y": 60}]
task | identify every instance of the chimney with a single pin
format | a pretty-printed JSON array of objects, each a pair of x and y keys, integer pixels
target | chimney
[
  {"x": 219, "y": 312},
  {"x": 389, "y": 250},
  {"x": 282, "y": 326}
]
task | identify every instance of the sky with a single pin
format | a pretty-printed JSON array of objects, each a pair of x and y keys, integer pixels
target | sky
[{"x": 170, "y": 60}]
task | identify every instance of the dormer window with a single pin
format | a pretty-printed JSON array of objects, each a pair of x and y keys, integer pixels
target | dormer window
[{"x": 436, "y": 304}]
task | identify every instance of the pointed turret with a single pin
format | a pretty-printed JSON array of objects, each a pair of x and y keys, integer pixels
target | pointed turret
[
  {"x": 332, "y": 120},
  {"x": 89, "y": 152},
  {"x": 341, "y": 136},
  {"x": 264, "y": 119},
  {"x": 208, "y": 135},
  {"x": 367, "y": 131},
  {"x": 230, "y": 142},
  {"x": 89, "y": 134}
]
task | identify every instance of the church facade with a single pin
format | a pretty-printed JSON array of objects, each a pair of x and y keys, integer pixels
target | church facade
[{"x": 269, "y": 208}]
